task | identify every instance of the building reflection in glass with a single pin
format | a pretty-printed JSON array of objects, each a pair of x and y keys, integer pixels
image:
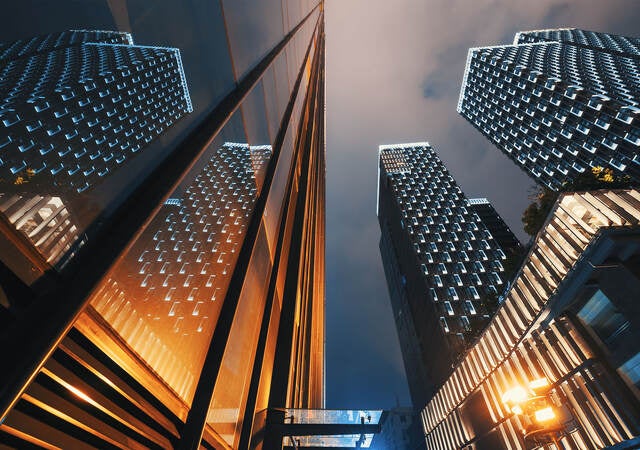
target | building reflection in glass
[
  {"x": 165, "y": 296},
  {"x": 75, "y": 106}
]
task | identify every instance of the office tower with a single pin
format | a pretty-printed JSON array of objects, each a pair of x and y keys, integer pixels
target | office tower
[
  {"x": 75, "y": 106},
  {"x": 443, "y": 267},
  {"x": 501, "y": 232},
  {"x": 193, "y": 313},
  {"x": 558, "y": 102},
  {"x": 559, "y": 360}
]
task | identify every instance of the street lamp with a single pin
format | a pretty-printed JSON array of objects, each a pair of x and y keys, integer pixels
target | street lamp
[{"x": 544, "y": 422}]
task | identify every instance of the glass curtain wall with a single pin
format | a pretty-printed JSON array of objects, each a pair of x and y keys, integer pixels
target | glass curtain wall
[{"x": 187, "y": 229}]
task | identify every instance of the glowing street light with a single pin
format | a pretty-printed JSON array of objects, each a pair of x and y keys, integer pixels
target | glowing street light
[{"x": 533, "y": 405}]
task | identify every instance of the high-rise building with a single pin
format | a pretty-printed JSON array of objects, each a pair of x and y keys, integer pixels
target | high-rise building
[
  {"x": 193, "y": 314},
  {"x": 75, "y": 106},
  {"x": 558, "y": 364},
  {"x": 501, "y": 232},
  {"x": 401, "y": 430},
  {"x": 558, "y": 102},
  {"x": 444, "y": 269}
]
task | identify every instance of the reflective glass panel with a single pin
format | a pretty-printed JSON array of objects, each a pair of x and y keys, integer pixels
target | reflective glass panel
[
  {"x": 88, "y": 114},
  {"x": 254, "y": 29},
  {"x": 255, "y": 116},
  {"x": 166, "y": 293}
]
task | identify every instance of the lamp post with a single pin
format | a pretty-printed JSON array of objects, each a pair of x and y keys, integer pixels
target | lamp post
[{"x": 544, "y": 421}]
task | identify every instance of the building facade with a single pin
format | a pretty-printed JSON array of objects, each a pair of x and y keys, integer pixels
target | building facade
[
  {"x": 502, "y": 234},
  {"x": 558, "y": 102},
  {"x": 195, "y": 306},
  {"x": 443, "y": 267},
  {"x": 565, "y": 337},
  {"x": 75, "y": 107}
]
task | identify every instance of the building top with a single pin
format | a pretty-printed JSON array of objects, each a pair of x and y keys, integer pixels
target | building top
[
  {"x": 456, "y": 254},
  {"x": 478, "y": 201}
]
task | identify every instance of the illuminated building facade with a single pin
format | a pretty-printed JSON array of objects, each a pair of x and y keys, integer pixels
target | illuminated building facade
[
  {"x": 500, "y": 231},
  {"x": 193, "y": 314},
  {"x": 568, "y": 329},
  {"x": 558, "y": 102},
  {"x": 75, "y": 105},
  {"x": 443, "y": 267}
]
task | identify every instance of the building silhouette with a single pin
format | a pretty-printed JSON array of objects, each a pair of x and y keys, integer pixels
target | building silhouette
[
  {"x": 444, "y": 269},
  {"x": 558, "y": 102},
  {"x": 193, "y": 314}
]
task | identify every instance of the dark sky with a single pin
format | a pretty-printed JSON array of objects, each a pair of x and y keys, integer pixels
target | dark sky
[{"x": 394, "y": 70}]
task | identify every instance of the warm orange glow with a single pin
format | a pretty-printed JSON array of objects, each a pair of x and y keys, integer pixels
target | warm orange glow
[
  {"x": 539, "y": 383},
  {"x": 516, "y": 409},
  {"x": 545, "y": 414},
  {"x": 79, "y": 393},
  {"x": 515, "y": 396}
]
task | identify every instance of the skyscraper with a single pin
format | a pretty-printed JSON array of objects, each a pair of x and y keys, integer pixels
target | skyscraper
[
  {"x": 558, "y": 364},
  {"x": 443, "y": 267},
  {"x": 558, "y": 102},
  {"x": 74, "y": 107},
  {"x": 500, "y": 231},
  {"x": 195, "y": 307},
  {"x": 76, "y": 104}
]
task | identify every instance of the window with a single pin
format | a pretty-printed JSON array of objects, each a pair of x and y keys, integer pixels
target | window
[
  {"x": 449, "y": 308},
  {"x": 457, "y": 279},
  {"x": 424, "y": 269},
  {"x": 442, "y": 268},
  {"x": 437, "y": 280},
  {"x": 434, "y": 294},
  {"x": 453, "y": 294},
  {"x": 470, "y": 308},
  {"x": 443, "y": 323}
]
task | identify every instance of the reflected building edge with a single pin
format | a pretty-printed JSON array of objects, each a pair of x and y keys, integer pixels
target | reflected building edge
[{"x": 213, "y": 315}]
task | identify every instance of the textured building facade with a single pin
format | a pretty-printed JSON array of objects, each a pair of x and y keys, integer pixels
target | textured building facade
[
  {"x": 501, "y": 232},
  {"x": 195, "y": 307},
  {"x": 443, "y": 266},
  {"x": 558, "y": 102},
  {"x": 568, "y": 320},
  {"x": 75, "y": 105}
]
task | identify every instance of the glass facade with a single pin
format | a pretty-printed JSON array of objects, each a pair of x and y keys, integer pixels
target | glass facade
[
  {"x": 558, "y": 102},
  {"x": 544, "y": 329},
  {"x": 443, "y": 266},
  {"x": 193, "y": 273}
]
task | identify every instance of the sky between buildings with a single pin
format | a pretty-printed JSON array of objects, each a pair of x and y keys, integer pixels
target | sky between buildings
[{"x": 394, "y": 70}]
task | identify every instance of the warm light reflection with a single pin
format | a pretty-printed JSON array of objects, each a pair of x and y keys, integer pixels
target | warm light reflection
[
  {"x": 545, "y": 414},
  {"x": 539, "y": 384},
  {"x": 515, "y": 396},
  {"x": 79, "y": 393},
  {"x": 165, "y": 296}
]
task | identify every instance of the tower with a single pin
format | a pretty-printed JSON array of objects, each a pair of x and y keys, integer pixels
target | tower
[
  {"x": 195, "y": 306},
  {"x": 443, "y": 267},
  {"x": 558, "y": 102}
]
